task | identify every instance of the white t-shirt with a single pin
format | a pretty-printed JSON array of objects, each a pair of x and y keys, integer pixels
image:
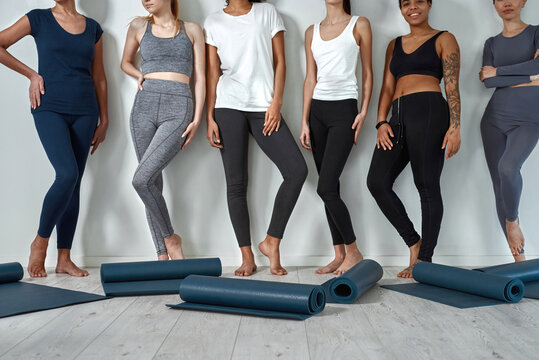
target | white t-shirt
[{"x": 245, "y": 49}]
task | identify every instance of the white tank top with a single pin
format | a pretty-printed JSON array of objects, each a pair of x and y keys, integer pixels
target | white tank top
[{"x": 336, "y": 62}]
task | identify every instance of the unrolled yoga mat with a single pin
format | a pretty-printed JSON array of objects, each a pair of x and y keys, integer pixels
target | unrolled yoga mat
[
  {"x": 527, "y": 271},
  {"x": 460, "y": 287},
  {"x": 346, "y": 288},
  {"x": 18, "y": 297},
  {"x": 251, "y": 297},
  {"x": 153, "y": 277}
]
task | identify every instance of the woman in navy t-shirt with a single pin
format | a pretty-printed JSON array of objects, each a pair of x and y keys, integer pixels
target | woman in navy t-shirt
[{"x": 68, "y": 95}]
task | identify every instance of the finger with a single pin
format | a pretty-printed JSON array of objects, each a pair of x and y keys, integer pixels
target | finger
[
  {"x": 187, "y": 131},
  {"x": 278, "y": 125},
  {"x": 217, "y": 137},
  {"x": 42, "y": 88},
  {"x": 38, "y": 97},
  {"x": 390, "y": 130},
  {"x": 94, "y": 148},
  {"x": 444, "y": 143},
  {"x": 272, "y": 128},
  {"x": 186, "y": 142},
  {"x": 355, "y": 137}
]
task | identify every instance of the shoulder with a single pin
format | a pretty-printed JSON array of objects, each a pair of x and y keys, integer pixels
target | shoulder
[
  {"x": 265, "y": 6},
  {"x": 447, "y": 38},
  {"x": 37, "y": 12},
  {"x": 192, "y": 28},
  {"x": 310, "y": 30},
  {"x": 92, "y": 22},
  {"x": 138, "y": 23},
  {"x": 213, "y": 18},
  {"x": 362, "y": 22}
]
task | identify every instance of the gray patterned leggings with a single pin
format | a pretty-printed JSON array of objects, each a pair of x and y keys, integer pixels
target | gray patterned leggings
[{"x": 161, "y": 113}]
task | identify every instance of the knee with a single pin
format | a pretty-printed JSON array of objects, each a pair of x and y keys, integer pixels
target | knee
[
  {"x": 378, "y": 187},
  {"x": 68, "y": 177},
  {"x": 298, "y": 174},
  {"x": 140, "y": 182},
  {"x": 507, "y": 170},
  {"x": 327, "y": 192}
]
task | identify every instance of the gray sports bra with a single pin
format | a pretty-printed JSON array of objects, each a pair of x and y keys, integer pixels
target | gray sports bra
[{"x": 173, "y": 54}]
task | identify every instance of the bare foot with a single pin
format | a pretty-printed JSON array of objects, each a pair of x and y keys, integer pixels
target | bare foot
[
  {"x": 163, "y": 257},
  {"x": 353, "y": 257},
  {"x": 248, "y": 266},
  {"x": 270, "y": 248},
  {"x": 515, "y": 237},
  {"x": 340, "y": 253},
  {"x": 173, "y": 243},
  {"x": 38, "y": 252},
  {"x": 520, "y": 257},
  {"x": 414, "y": 253},
  {"x": 66, "y": 266}
]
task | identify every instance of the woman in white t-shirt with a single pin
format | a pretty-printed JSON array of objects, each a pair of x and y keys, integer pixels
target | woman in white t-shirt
[
  {"x": 245, "y": 84},
  {"x": 331, "y": 122}
]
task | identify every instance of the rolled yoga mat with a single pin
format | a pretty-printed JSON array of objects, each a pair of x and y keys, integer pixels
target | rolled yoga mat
[
  {"x": 18, "y": 297},
  {"x": 251, "y": 297},
  {"x": 527, "y": 271},
  {"x": 346, "y": 288},
  {"x": 460, "y": 287},
  {"x": 153, "y": 277}
]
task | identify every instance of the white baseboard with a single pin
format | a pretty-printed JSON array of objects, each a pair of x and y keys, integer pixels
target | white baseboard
[{"x": 457, "y": 260}]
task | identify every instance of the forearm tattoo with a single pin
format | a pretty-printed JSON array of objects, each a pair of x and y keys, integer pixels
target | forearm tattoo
[{"x": 451, "y": 66}]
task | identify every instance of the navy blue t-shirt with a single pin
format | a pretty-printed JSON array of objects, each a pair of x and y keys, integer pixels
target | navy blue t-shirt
[{"x": 65, "y": 63}]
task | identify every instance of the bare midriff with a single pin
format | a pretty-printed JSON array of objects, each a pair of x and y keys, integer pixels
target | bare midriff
[
  {"x": 533, "y": 83},
  {"x": 410, "y": 84},
  {"x": 171, "y": 76}
]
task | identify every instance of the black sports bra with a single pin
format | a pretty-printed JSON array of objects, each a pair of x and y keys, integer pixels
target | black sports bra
[{"x": 423, "y": 61}]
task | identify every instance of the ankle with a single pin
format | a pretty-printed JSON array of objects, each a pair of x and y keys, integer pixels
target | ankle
[
  {"x": 272, "y": 240},
  {"x": 352, "y": 249},
  {"x": 247, "y": 254}
]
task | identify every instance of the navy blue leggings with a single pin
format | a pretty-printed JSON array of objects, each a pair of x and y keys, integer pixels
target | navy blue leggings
[{"x": 66, "y": 140}]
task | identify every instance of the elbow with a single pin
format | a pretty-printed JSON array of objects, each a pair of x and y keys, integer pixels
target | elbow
[{"x": 489, "y": 83}]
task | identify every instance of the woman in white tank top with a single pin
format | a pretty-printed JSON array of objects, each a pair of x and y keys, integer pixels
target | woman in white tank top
[{"x": 331, "y": 122}]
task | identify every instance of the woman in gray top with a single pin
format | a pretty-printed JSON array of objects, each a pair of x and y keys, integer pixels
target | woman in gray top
[
  {"x": 510, "y": 125},
  {"x": 162, "y": 120}
]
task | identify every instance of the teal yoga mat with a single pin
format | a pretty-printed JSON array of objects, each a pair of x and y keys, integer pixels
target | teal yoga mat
[
  {"x": 251, "y": 297},
  {"x": 153, "y": 277},
  {"x": 460, "y": 287},
  {"x": 527, "y": 271},
  {"x": 346, "y": 288},
  {"x": 17, "y": 297}
]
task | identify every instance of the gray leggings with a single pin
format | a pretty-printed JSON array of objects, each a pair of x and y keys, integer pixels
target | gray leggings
[
  {"x": 161, "y": 113},
  {"x": 510, "y": 130},
  {"x": 280, "y": 147}
]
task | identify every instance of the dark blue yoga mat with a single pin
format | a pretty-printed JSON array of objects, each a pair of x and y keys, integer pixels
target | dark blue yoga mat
[
  {"x": 346, "y": 288},
  {"x": 153, "y": 277},
  {"x": 527, "y": 271},
  {"x": 18, "y": 297},
  {"x": 460, "y": 287},
  {"x": 251, "y": 297}
]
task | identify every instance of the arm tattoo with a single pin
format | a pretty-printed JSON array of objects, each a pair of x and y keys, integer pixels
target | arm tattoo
[{"x": 451, "y": 66}]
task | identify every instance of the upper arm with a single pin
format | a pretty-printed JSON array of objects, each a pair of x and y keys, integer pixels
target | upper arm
[
  {"x": 450, "y": 54},
  {"x": 213, "y": 63},
  {"x": 311, "y": 63},
  {"x": 277, "y": 43},
  {"x": 363, "y": 26},
  {"x": 389, "y": 79},
  {"x": 195, "y": 33},
  {"x": 15, "y": 32},
  {"x": 98, "y": 68},
  {"x": 132, "y": 41},
  {"x": 488, "y": 58},
  {"x": 276, "y": 22}
]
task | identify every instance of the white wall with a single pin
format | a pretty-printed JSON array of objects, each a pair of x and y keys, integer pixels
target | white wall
[{"x": 112, "y": 223}]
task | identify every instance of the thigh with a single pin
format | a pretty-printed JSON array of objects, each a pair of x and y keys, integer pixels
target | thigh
[
  {"x": 54, "y": 133},
  {"x": 143, "y": 121},
  {"x": 339, "y": 143},
  {"x": 520, "y": 143},
  {"x": 319, "y": 133},
  {"x": 386, "y": 165},
  {"x": 280, "y": 146},
  {"x": 494, "y": 144},
  {"x": 82, "y": 132},
  {"x": 234, "y": 132}
]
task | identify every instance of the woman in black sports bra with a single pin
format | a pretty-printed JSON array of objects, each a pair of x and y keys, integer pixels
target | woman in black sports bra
[{"x": 422, "y": 128}]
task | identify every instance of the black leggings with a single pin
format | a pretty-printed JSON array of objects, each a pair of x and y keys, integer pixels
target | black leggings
[
  {"x": 419, "y": 122},
  {"x": 280, "y": 147},
  {"x": 332, "y": 138}
]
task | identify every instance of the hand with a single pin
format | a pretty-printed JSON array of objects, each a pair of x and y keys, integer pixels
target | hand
[
  {"x": 99, "y": 135},
  {"x": 190, "y": 133},
  {"x": 305, "y": 137},
  {"x": 37, "y": 88},
  {"x": 213, "y": 134},
  {"x": 383, "y": 137},
  {"x": 451, "y": 142},
  {"x": 272, "y": 122},
  {"x": 140, "y": 80},
  {"x": 487, "y": 72},
  {"x": 534, "y": 77},
  {"x": 536, "y": 54},
  {"x": 358, "y": 125}
]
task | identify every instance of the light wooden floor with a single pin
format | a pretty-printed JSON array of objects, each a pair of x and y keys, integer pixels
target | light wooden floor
[{"x": 382, "y": 325}]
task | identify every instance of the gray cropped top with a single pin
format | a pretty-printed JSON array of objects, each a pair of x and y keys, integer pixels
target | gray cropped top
[{"x": 173, "y": 54}]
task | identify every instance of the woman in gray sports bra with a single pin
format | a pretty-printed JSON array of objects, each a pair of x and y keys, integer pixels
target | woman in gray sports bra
[{"x": 164, "y": 118}]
